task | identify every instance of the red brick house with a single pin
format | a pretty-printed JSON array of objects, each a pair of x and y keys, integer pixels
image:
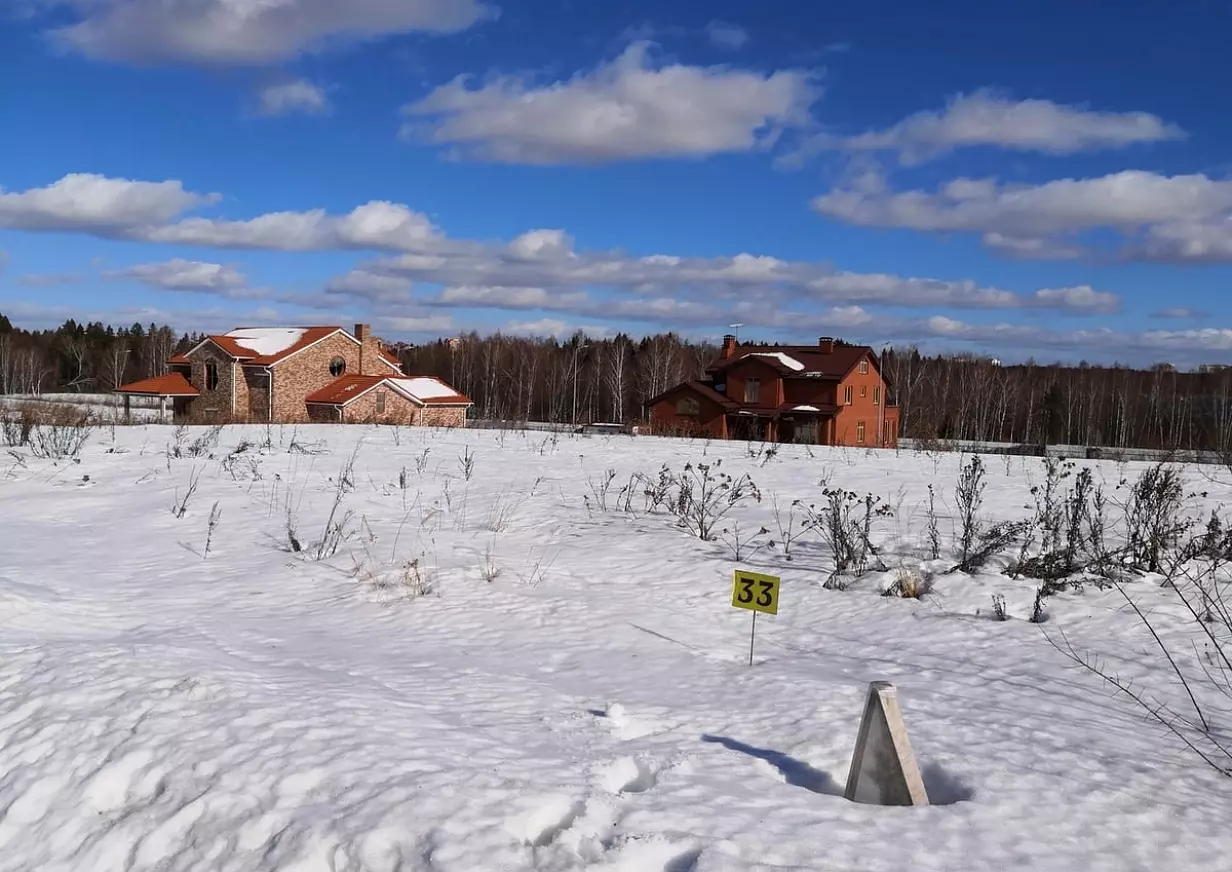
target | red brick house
[
  {"x": 299, "y": 374},
  {"x": 830, "y": 393}
]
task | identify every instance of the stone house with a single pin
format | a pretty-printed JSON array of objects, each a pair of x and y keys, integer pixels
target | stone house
[
  {"x": 299, "y": 374},
  {"x": 831, "y": 393}
]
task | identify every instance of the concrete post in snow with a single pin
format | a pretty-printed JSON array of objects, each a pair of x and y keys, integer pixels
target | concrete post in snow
[{"x": 883, "y": 767}]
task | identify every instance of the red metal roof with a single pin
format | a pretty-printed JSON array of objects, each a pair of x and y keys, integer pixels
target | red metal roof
[
  {"x": 346, "y": 388},
  {"x": 173, "y": 384},
  {"x": 832, "y": 364}
]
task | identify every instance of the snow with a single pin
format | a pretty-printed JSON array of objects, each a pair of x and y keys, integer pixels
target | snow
[
  {"x": 785, "y": 359},
  {"x": 265, "y": 341},
  {"x": 805, "y": 409},
  {"x": 574, "y": 693},
  {"x": 425, "y": 388}
]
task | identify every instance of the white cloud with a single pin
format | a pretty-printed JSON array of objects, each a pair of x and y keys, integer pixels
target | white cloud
[
  {"x": 285, "y": 98},
  {"x": 375, "y": 225},
  {"x": 1185, "y": 217},
  {"x": 542, "y": 327},
  {"x": 93, "y": 203},
  {"x": 362, "y": 283},
  {"x": 538, "y": 259},
  {"x": 986, "y": 118},
  {"x": 623, "y": 110},
  {"x": 1194, "y": 241},
  {"x": 1032, "y": 248},
  {"x": 4, "y": 260},
  {"x": 1179, "y": 312},
  {"x": 726, "y": 35},
  {"x": 248, "y": 32},
  {"x": 1078, "y": 298},
  {"x": 192, "y": 276},
  {"x": 434, "y": 325}
]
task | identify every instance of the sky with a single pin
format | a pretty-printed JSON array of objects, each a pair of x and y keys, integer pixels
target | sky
[{"x": 1047, "y": 180}]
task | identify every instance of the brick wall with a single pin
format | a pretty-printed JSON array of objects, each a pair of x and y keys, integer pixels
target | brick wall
[
  {"x": 866, "y": 406},
  {"x": 441, "y": 416},
  {"x": 769, "y": 389},
  {"x": 255, "y": 406},
  {"x": 709, "y": 421},
  {"x": 372, "y": 363},
  {"x": 308, "y": 371},
  {"x": 398, "y": 409},
  {"x": 212, "y": 406}
]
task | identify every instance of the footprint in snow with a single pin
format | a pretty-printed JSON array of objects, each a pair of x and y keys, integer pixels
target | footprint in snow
[{"x": 627, "y": 775}]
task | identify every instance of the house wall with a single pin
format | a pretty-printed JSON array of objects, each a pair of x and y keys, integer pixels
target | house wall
[
  {"x": 253, "y": 404},
  {"x": 398, "y": 409},
  {"x": 372, "y": 362},
  {"x": 770, "y": 391},
  {"x": 810, "y": 391},
  {"x": 441, "y": 416},
  {"x": 213, "y": 407},
  {"x": 301, "y": 374},
  {"x": 709, "y": 422},
  {"x": 861, "y": 408}
]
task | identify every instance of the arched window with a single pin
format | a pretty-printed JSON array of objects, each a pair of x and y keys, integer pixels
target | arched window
[
  {"x": 337, "y": 367},
  {"x": 688, "y": 406}
]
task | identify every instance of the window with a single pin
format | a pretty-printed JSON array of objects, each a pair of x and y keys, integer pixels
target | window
[
  {"x": 337, "y": 367},
  {"x": 859, "y": 431},
  {"x": 863, "y": 390},
  {"x": 211, "y": 376},
  {"x": 380, "y": 402},
  {"x": 876, "y": 396},
  {"x": 847, "y": 395},
  {"x": 863, "y": 367},
  {"x": 688, "y": 406},
  {"x": 752, "y": 390}
]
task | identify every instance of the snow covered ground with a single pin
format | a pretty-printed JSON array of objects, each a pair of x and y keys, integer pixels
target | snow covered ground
[
  {"x": 572, "y": 693},
  {"x": 106, "y": 407}
]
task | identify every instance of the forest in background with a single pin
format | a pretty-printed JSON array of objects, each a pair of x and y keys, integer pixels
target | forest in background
[{"x": 583, "y": 379}]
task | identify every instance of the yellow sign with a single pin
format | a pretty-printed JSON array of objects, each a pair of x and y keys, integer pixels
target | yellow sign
[{"x": 756, "y": 592}]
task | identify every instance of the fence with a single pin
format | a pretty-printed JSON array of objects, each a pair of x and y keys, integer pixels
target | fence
[{"x": 1073, "y": 452}]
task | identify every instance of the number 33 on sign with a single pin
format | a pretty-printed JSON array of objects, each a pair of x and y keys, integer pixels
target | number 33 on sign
[{"x": 755, "y": 592}]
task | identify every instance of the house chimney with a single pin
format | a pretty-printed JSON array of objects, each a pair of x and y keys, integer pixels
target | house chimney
[
  {"x": 826, "y": 344},
  {"x": 363, "y": 332},
  {"x": 729, "y": 346}
]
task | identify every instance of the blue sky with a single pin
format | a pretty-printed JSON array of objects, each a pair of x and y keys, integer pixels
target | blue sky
[{"x": 1049, "y": 180}]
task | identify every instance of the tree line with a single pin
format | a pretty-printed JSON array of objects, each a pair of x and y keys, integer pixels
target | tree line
[
  {"x": 82, "y": 358},
  {"x": 960, "y": 396},
  {"x": 585, "y": 379}
]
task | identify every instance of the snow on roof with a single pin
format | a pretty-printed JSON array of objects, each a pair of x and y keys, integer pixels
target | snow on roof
[
  {"x": 426, "y": 388},
  {"x": 266, "y": 341},
  {"x": 806, "y": 409},
  {"x": 785, "y": 359}
]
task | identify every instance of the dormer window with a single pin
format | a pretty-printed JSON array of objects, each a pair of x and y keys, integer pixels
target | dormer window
[{"x": 337, "y": 366}]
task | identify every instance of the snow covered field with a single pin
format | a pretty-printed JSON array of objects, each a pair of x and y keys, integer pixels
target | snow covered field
[
  {"x": 573, "y": 691},
  {"x": 103, "y": 408}
]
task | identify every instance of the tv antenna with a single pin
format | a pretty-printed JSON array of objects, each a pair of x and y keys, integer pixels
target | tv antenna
[{"x": 736, "y": 328}]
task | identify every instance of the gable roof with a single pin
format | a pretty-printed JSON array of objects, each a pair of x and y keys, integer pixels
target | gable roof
[
  {"x": 799, "y": 361},
  {"x": 698, "y": 387},
  {"x": 389, "y": 357},
  {"x": 264, "y": 346},
  {"x": 422, "y": 390},
  {"x": 172, "y": 384}
]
